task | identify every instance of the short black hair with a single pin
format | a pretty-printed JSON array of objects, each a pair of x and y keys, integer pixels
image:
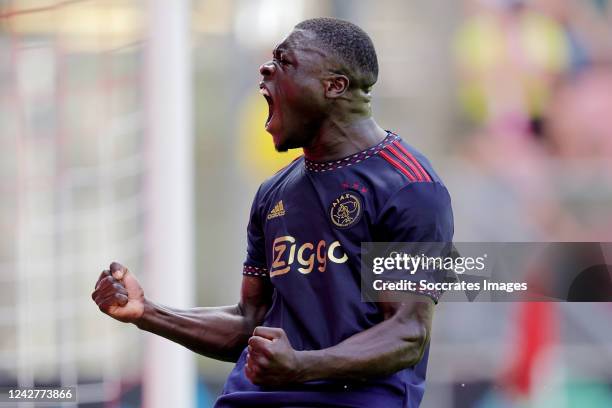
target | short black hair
[{"x": 350, "y": 44}]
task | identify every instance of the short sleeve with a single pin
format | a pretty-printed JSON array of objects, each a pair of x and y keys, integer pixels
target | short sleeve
[
  {"x": 255, "y": 262},
  {"x": 419, "y": 213}
]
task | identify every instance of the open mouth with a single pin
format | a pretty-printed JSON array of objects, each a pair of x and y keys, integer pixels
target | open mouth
[{"x": 266, "y": 94}]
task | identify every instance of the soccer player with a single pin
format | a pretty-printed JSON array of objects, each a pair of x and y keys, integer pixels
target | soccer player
[{"x": 300, "y": 335}]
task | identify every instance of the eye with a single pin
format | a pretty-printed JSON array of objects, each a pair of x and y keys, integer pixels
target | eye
[{"x": 279, "y": 57}]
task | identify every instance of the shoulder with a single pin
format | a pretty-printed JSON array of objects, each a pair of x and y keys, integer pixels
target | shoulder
[
  {"x": 265, "y": 195},
  {"x": 402, "y": 158},
  {"x": 398, "y": 165},
  {"x": 419, "y": 211},
  {"x": 282, "y": 176},
  {"x": 420, "y": 198},
  {"x": 412, "y": 194}
]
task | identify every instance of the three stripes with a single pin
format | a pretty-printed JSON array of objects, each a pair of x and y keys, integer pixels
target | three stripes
[{"x": 405, "y": 162}]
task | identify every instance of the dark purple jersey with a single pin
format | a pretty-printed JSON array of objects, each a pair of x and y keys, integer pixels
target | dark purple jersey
[{"x": 305, "y": 232}]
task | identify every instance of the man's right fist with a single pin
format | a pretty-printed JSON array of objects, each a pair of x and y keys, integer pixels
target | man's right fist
[{"x": 119, "y": 295}]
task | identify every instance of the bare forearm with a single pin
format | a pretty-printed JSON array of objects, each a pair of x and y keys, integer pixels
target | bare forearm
[
  {"x": 216, "y": 332},
  {"x": 382, "y": 350}
]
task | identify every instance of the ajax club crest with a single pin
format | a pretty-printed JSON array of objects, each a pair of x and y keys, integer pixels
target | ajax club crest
[{"x": 346, "y": 210}]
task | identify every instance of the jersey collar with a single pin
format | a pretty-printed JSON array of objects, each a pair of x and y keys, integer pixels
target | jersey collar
[{"x": 319, "y": 167}]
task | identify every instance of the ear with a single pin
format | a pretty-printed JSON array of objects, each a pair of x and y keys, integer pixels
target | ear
[{"x": 335, "y": 85}]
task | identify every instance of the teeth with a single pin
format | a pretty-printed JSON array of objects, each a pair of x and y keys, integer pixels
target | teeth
[{"x": 264, "y": 92}]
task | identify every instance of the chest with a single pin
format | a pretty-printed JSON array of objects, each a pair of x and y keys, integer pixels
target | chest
[{"x": 313, "y": 225}]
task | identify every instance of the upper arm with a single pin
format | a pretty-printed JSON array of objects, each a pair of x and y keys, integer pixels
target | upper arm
[
  {"x": 418, "y": 213},
  {"x": 255, "y": 263},
  {"x": 256, "y": 291},
  {"x": 255, "y": 298}
]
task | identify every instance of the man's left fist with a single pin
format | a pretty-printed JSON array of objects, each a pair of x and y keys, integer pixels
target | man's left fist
[{"x": 270, "y": 359}]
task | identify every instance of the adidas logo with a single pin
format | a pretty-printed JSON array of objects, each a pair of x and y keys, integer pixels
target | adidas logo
[{"x": 277, "y": 211}]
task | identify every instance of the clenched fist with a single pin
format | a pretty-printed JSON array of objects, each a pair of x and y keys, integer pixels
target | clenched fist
[
  {"x": 119, "y": 295},
  {"x": 270, "y": 359}
]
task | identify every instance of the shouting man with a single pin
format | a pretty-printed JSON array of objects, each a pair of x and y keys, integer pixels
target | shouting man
[{"x": 301, "y": 336}]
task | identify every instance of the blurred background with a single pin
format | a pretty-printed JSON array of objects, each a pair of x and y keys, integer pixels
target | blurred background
[{"x": 133, "y": 131}]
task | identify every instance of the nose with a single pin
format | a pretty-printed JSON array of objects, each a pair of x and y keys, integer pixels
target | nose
[{"x": 267, "y": 69}]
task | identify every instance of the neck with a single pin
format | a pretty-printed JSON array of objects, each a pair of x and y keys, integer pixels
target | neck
[{"x": 337, "y": 139}]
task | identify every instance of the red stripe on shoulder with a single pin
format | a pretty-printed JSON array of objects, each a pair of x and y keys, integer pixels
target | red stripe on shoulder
[
  {"x": 418, "y": 175},
  {"x": 414, "y": 160},
  {"x": 397, "y": 165}
]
